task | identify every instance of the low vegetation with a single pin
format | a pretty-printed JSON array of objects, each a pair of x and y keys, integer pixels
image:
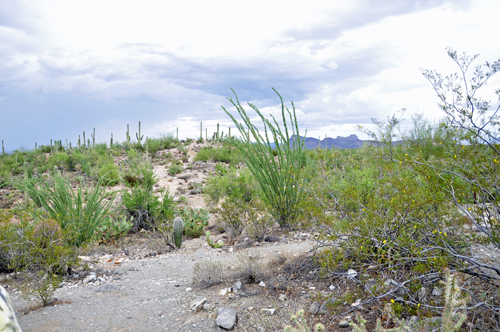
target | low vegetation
[{"x": 397, "y": 221}]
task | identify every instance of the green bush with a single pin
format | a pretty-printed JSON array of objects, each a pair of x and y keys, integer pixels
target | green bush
[
  {"x": 224, "y": 154},
  {"x": 110, "y": 174},
  {"x": 235, "y": 184},
  {"x": 175, "y": 169},
  {"x": 78, "y": 213}
]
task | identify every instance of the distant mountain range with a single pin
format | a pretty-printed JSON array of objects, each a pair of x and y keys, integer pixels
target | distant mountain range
[{"x": 349, "y": 142}]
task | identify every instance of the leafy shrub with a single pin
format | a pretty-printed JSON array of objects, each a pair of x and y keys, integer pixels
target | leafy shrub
[
  {"x": 224, "y": 154},
  {"x": 110, "y": 174},
  {"x": 235, "y": 184},
  {"x": 175, "y": 169}
]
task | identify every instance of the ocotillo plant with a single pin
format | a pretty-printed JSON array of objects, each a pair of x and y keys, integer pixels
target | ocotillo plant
[
  {"x": 178, "y": 229},
  {"x": 138, "y": 135},
  {"x": 93, "y": 138}
]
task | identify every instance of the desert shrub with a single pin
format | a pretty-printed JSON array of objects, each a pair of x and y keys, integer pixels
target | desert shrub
[
  {"x": 224, "y": 154},
  {"x": 412, "y": 226},
  {"x": 175, "y": 169},
  {"x": 78, "y": 213},
  {"x": 38, "y": 247},
  {"x": 110, "y": 173},
  {"x": 58, "y": 159},
  {"x": 250, "y": 268},
  {"x": 279, "y": 177},
  {"x": 208, "y": 272},
  {"x": 235, "y": 184},
  {"x": 300, "y": 321},
  {"x": 236, "y": 215}
]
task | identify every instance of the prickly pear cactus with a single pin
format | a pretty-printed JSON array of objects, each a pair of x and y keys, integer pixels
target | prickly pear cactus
[{"x": 178, "y": 230}]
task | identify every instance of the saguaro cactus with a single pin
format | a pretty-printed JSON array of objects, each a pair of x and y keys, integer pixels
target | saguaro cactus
[
  {"x": 128, "y": 134},
  {"x": 138, "y": 135},
  {"x": 178, "y": 229},
  {"x": 111, "y": 141},
  {"x": 93, "y": 138}
]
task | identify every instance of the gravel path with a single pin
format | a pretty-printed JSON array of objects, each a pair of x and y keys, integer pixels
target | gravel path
[{"x": 145, "y": 295}]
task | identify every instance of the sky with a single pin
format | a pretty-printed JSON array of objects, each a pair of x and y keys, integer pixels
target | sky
[{"x": 71, "y": 66}]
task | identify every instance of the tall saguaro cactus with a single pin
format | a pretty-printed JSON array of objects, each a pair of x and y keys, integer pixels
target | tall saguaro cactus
[
  {"x": 128, "y": 134},
  {"x": 93, "y": 139},
  {"x": 138, "y": 135}
]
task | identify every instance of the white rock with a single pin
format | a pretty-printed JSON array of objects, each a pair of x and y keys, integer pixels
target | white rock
[
  {"x": 225, "y": 291},
  {"x": 356, "y": 303},
  {"x": 332, "y": 287},
  {"x": 351, "y": 274},
  {"x": 283, "y": 298},
  {"x": 268, "y": 312},
  {"x": 262, "y": 284},
  {"x": 189, "y": 289},
  {"x": 197, "y": 304}
]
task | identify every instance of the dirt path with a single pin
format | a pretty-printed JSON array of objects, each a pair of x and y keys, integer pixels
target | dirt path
[{"x": 144, "y": 295}]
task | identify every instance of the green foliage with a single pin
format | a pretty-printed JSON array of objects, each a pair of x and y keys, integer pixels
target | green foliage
[
  {"x": 279, "y": 177},
  {"x": 225, "y": 154},
  {"x": 110, "y": 173},
  {"x": 79, "y": 213},
  {"x": 211, "y": 241},
  {"x": 112, "y": 228},
  {"x": 299, "y": 320},
  {"x": 235, "y": 184},
  {"x": 194, "y": 219},
  {"x": 175, "y": 169},
  {"x": 37, "y": 246}
]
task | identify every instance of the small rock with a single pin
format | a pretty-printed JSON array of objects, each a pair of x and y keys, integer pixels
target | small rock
[
  {"x": 268, "y": 312},
  {"x": 189, "y": 289},
  {"x": 226, "y": 318},
  {"x": 262, "y": 284},
  {"x": 332, "y": 287},
  {"x": 272, "y": 239},
  {"x": 314, "y": 308},
  {"x": 344, "y": 323},
  {"x": 225, "y": 291},
  {"x": 197, "y": 304},
  {"x": 283, "y": 298},
  {"x": 237, "y": 286},
  {"x": 208, "y": 306},
  {"x": 351, "y": 274},
  {"x": 356, "y": 303},
  {"x": 90, "y": 278}
]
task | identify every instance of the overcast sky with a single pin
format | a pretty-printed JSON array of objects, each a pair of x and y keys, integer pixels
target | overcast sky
[{"x": 70, "y": 66}]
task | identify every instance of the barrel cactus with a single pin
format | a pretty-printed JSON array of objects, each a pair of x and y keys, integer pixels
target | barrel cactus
[{"x": 178, "y": 229}]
